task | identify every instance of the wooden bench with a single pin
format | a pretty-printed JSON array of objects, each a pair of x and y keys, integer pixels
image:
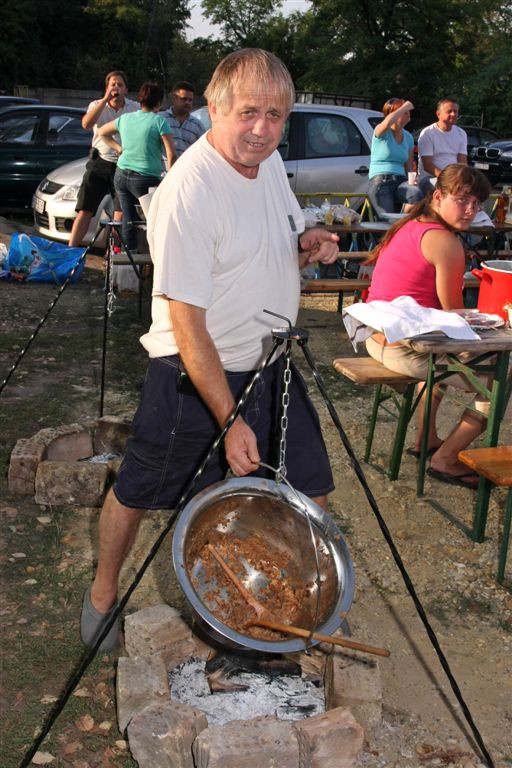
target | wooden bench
[
  {"x": 495, "y": 464},
  {"x": 346, "y": 285},
  {"x": 399, "y": 389}
]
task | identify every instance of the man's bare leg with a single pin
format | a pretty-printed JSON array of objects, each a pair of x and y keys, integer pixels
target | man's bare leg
[
  {"x": 117, "y": 532},
  {"x": 79, "y": 229},
  {"x": 320, "y": 500}
]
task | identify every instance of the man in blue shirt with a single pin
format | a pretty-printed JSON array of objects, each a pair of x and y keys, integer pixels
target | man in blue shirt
[{"x": 185, "y": 129}]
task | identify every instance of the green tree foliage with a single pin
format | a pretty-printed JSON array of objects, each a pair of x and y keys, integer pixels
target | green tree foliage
[
  {"x": 73, "y": 43},
  {"x": 242, "y": 22}
]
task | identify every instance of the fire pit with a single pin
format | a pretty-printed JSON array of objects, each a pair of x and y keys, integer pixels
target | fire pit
[{"x": 302, "y": 576}]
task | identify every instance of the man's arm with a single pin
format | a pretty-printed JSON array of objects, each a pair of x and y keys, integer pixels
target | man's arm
[
  {"x": 203, "y": 365},
  {"x": 462, "y": 159},
  {"x": 106, "y": 132},
  {"x": 429, "y": 166}
]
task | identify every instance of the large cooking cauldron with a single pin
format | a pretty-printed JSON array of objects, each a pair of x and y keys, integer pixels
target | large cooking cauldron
[{"x": 249, "y": 509}]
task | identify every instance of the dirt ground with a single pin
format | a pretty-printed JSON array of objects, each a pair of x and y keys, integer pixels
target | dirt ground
[{"x": 47, "y": 554}]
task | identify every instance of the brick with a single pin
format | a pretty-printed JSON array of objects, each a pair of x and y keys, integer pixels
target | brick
[
  {"x": 111, "y": 434},
  {"x": 25, "y": 458},
  {"x": 81, "y": 484},
  {"x": 154, "y": 629},
  {"x": 330, "y": 740},
  {"x": 141, "y": 681},
  {"x": 72, "y": 446},
  {"x": 161, "y": 735},
  {"x": 261, "y": 743},
  {"x": 355, "y": 682}
]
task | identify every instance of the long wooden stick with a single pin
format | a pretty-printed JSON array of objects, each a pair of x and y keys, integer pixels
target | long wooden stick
[
  {"x": 287, "y": 628},
  {"x": 249, "y": 598}
]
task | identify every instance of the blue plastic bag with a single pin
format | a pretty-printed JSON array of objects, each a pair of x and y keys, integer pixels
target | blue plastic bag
[{"x": 36, "y": 260}]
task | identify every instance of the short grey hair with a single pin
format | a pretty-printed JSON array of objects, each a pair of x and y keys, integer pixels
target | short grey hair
[{"x": 266, "y": 72}]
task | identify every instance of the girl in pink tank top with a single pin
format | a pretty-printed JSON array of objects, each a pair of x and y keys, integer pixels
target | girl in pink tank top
[{"x": 421, "y": 257}]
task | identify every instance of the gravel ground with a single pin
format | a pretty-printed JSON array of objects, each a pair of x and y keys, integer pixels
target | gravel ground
[{"x": 58, "y": 382}]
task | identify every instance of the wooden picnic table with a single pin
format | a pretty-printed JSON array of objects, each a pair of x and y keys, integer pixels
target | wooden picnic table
[{"x": 490, "y": 356}]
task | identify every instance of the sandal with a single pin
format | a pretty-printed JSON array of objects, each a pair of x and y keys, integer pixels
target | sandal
[
  {"x": 92, "y": 622},
  {"x": 462, "y": 480}
]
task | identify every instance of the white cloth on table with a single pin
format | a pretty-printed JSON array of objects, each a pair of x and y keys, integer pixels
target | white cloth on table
[{"x": 401, "y": 319}]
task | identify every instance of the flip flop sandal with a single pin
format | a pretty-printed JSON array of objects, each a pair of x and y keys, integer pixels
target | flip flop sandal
[
  {"x": 444, "y": 477},
  {"x": 92, "y": 622},
  {"x": 416, "y": 454}
]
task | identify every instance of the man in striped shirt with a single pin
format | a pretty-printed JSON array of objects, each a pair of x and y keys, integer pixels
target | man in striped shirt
[{"x": 185, "y": 129}]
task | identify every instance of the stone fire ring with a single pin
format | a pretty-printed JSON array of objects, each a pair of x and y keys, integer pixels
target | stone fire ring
[
  {"x": 49, "y": 465},
  {"x": 163, "y": 733}
]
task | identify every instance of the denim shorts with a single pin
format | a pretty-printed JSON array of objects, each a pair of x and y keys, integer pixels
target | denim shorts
[{"x": 173, "y": 431}]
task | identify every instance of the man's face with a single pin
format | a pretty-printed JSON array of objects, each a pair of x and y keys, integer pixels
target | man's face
[
  {"x": 448, "y": 113},
  {"x": 182, "y": 102},
  {"x": 250, "y": 131},
  {"x": 116, "y": 87}
]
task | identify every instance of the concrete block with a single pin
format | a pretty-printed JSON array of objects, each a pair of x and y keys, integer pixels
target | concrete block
[
  {"x": 331, "y": 740},
  {"x": 154, "y": 629},
  {"x": 141, "y": 681},
  {"x": 79, "y": 483},
  {"x": 354, "y": 682},
  {"x": 161, "y": 735},
  {"x": 263, "y": 742},
  {"x": 25, "y": 458},
  {"x": 111, "y": 434}
]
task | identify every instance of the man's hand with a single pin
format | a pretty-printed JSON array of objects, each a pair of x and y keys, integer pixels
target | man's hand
[
  {"x": 241, "y": 448},
  {"x": 318, "y": 245}
]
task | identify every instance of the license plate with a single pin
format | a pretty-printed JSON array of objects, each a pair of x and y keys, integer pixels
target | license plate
[
  {"x": 38, "y": 204},
  {"x": 482, "y": 166}
]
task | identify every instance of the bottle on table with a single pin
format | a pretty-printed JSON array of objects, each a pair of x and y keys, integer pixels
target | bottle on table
[{"x": 501, "y": 206}]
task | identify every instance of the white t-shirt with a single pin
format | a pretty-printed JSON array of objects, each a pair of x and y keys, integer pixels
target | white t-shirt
[
  {"x": 107, "y": 115},
  {"x": 442, "y": 146},
  {"x": 227, "y": 244}
]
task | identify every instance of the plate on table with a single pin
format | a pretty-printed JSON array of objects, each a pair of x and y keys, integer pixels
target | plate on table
[{"x": 481, "y": 321}]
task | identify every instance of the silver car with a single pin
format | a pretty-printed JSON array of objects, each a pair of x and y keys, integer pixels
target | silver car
[
  {"x": 54, "y": 203},
  {"x": 325, "y": 149}
]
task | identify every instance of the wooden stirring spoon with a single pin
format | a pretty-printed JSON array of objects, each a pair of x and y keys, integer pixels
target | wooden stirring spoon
[{"x": 265, "y": 618}]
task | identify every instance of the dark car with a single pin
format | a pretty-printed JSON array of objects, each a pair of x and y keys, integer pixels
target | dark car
[
  {"x": 16, "y": 101},
  {"x": 35, "y": 139},
  {"x": 494, "y": 159}
]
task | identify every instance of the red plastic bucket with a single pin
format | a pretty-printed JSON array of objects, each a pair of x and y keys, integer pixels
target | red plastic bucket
[{"x": 495, "y": 287}]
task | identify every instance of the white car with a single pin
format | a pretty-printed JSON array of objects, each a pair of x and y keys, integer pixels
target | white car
[
  {"x": 325, "y": 149},
  {"x": 54, "y": 203}
]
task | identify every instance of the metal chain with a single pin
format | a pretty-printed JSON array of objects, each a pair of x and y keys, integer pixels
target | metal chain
[
  {"x": 285, "y": 401},
  {"x": 111, "y": 296}
]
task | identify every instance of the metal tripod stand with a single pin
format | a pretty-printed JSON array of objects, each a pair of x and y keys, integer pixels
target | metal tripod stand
[{"x": 280, "y": 336}]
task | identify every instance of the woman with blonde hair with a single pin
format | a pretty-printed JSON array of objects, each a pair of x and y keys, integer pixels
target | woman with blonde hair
[
  {"x": 391, "y": 159},
  {"x": 420, "y": 256}
]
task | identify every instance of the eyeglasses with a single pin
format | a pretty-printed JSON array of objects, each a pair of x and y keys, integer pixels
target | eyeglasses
[{"x": 466, "y": 203}]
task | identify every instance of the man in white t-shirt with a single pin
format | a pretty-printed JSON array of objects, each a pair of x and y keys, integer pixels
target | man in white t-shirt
[
  {"x": 227, "y": 239},
  {"x": 98, "y": 179},
  {"x": 441, "y": 144}
]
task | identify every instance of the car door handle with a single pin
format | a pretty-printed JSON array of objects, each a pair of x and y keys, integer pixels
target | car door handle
[
  {"x": 290, "y": 175},
  {"x": 362, "y": 171}
]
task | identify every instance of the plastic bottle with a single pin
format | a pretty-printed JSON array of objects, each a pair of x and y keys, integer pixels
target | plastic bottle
[
  {"x": 508, "y": 214},
  {"x": 327, "y": 212}
]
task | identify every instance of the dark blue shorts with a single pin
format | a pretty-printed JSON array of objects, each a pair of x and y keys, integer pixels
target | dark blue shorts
[{"x": 173, "y": 431}]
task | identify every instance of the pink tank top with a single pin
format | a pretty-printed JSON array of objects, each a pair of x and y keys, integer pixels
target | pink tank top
[{"x": 402, "y": 270}]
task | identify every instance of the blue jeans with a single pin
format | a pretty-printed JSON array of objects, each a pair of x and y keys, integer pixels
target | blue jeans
[
  {"x": 389, "y": 191},
  {"x": 129, "y": 186}
]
